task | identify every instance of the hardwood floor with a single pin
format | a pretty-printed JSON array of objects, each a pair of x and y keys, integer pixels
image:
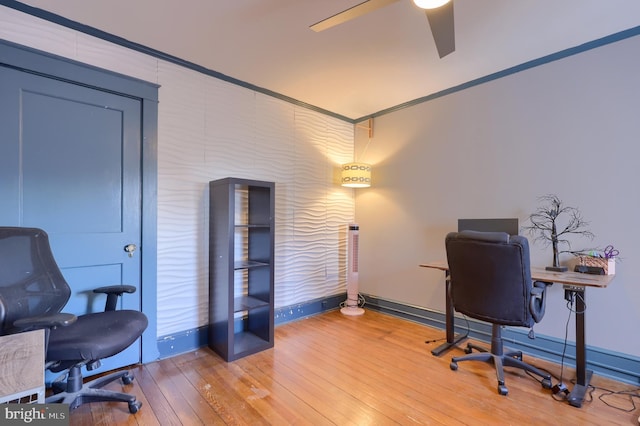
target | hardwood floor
[{"x": 338, "y": 370}]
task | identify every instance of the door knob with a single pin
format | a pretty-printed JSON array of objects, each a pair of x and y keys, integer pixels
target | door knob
[{"x": 130, "y": 248}]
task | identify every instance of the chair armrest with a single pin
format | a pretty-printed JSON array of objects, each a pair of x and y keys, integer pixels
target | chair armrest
[
  {"x": 45, "y": 321},
  {"x": 113, "y": 292},
  {"x": 116, "y": 289},
  {"x": 537, "y": 303},
  {"x": 542, "y": 284}
]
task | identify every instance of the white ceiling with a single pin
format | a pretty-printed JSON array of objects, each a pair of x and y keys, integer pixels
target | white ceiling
[{"x": 372, "y": 63}]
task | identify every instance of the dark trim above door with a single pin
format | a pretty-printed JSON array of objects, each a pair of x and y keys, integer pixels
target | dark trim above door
[
  {"x": 38, "y": 62},
  {"x": 41, "y": 63}
]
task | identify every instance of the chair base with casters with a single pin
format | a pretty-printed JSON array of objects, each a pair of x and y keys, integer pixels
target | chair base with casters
[
  {"x": 500, "y": 359},
  {"x": 74, "y": 393},
  {"x": 68, "y": 353},
  {"x": 33, "y": 293},
  {"x": 490, "y": 277}
]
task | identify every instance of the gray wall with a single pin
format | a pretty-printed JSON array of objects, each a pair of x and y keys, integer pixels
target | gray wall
[{"x": 569, "y": 127}]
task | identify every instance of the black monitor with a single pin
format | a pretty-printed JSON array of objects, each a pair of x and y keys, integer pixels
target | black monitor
[{"x": 508, "y": 225}]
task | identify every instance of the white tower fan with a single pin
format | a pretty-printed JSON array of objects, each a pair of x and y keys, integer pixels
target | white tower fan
[{"x": 350, "y": 306}]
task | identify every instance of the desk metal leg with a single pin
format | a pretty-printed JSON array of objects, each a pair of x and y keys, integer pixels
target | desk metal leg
[
  {"x": 452, "y": 338},
  {"x": 583, "y": 376}
]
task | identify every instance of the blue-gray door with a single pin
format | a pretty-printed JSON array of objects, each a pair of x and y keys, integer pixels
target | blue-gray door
[{"x": 70, "y": 164}]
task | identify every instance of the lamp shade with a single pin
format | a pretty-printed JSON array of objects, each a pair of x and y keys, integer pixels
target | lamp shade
[
  {"x": 356, "y": 175},
  {"x": 430, "y": 4}
]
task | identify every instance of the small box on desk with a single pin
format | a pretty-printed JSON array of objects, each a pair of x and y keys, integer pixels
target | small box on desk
[{"x": 608, "y": 264}]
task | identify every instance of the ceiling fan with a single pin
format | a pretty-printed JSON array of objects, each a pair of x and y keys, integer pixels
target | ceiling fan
[{"x": 439, "y": 13}]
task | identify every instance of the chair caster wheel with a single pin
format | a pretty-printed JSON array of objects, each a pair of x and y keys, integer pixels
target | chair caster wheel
[
  {"x": 127, "y": 379},
  {"x": 468, "y": 350},
  {"x": 58, "y": 387},
  {"x": 453, "y": 365},
  {"x": 502, "y": 390},
  {"x": 546, "y": 383},
  {"x": 134, "y": 407}
]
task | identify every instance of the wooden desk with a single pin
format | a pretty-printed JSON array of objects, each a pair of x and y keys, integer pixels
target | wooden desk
[{"x": 575, "y": 285}]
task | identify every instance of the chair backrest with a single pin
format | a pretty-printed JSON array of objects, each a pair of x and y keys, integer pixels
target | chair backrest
[
  {"x": 490, "y": 276},
  {"x": 31, "y": 283}
]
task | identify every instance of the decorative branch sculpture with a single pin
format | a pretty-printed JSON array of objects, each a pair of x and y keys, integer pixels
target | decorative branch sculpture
[{"x": 552, "y": 223}]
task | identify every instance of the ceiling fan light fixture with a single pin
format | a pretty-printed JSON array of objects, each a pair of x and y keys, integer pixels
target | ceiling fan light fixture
[{"x": 430, "y": 4}]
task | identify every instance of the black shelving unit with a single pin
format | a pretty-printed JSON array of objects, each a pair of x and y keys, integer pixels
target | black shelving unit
[{"x": 241, "y": 245}]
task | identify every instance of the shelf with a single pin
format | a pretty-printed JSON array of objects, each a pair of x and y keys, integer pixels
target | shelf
[
  {"x": 246, "y": 303},
  {"x": 248, "y": 264},
  {"x": 247, "y": 342},
  {"x": 241, "y": 261}
]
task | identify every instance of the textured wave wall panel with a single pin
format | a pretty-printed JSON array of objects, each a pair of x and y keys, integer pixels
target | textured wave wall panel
[
  {"x": 27, "y": 30},
  {"x": 100, "y": 54},
  {"x": 226, "y": 130},
  {"x": 182, "y": 268},
  {"x": 230, "y": 118}
]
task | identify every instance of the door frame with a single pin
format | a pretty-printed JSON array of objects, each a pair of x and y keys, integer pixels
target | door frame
[{"x": 41, "y": 63}]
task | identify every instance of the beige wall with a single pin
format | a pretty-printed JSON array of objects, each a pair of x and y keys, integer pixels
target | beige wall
[{"x": 569, "y": 127}]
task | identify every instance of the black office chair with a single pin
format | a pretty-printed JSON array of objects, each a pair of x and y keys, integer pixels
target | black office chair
[
  {"x": 491, "y": 281},
  {"x": 33, "y": 293}
]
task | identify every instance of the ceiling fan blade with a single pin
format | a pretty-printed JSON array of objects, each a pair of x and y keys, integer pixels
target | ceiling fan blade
[
  {"x": 349, "y": 14},
  {"x": 442, "y": 28}
]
